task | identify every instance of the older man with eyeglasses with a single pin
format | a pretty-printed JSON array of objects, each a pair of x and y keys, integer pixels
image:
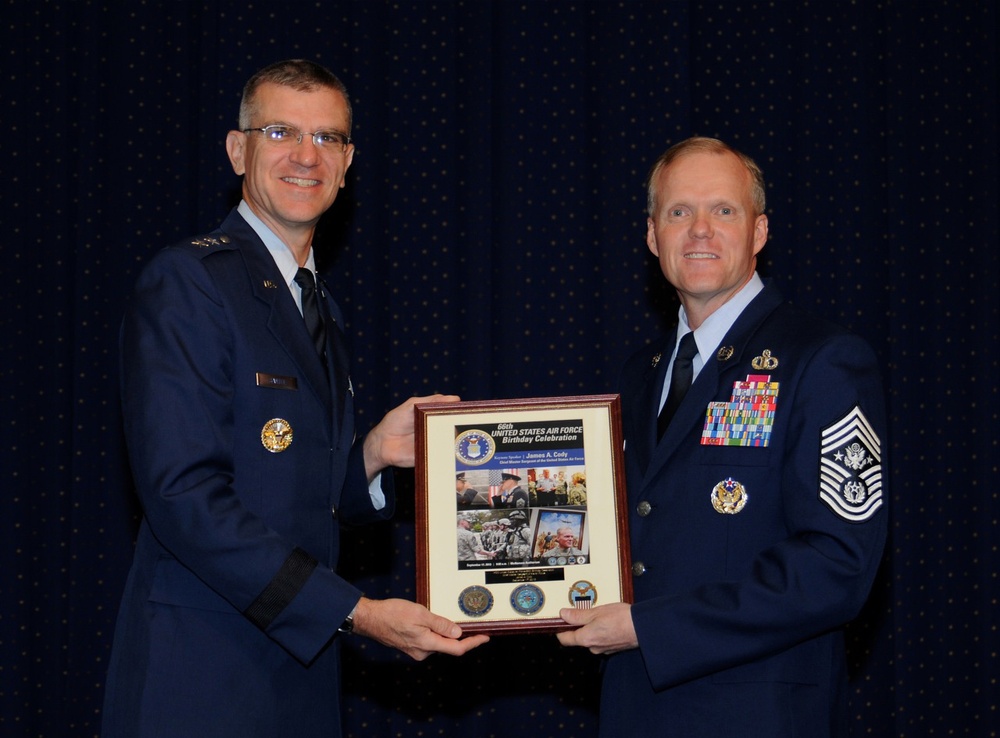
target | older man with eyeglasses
[{"x": 238, "y": 410}]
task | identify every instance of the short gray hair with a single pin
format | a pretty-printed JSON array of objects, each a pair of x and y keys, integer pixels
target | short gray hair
[{"x": 299, "y": 74}]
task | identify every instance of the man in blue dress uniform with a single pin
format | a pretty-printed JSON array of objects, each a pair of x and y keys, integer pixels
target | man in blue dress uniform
[
  {"x": 754, "y": 439},
  {"x": 238, "y": 410}
]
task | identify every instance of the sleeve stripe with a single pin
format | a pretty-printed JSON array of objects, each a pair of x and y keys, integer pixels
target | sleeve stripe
[{"x": 281, "y": 590}]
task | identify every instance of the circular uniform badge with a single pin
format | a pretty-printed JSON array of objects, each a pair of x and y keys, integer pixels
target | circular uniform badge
[
  {"x": 729, "y": 497},
  {"x": 527, "y": 599},
  {"x": 475, "y": 601},
  {"x": 582, "y": 594},
  {"x": 475, "y": 447},
  {"x": 276, "y": 435}
]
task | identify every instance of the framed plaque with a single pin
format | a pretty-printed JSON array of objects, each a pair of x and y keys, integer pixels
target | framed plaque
[{"x": 537, "y": 521}]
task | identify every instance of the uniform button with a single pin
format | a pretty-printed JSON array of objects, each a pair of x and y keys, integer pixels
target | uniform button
[
  {"x": 643, "y": 508},
  {"x": 333, "y": 511},
  {"x": 638, "y": 568}
]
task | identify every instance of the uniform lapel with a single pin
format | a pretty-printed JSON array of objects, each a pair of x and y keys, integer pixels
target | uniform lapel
[
  {"x": 647, "y": 402},
  {"x": 336, "y": 351},
  {"x": 284, "y": 321},
  {"x": 710, "y": 383}
]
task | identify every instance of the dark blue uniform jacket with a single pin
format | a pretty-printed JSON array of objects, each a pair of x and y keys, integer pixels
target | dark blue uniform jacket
[
  {"x": 232, "y": 602},
  {"x": 739, "y": 612}
]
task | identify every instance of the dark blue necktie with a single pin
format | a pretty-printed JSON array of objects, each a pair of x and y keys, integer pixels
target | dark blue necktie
[
  {"x": 680, "y": 382},
  {"x": 311, "y": 311}
]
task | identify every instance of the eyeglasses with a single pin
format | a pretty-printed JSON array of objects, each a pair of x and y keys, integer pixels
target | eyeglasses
[{"x": 285, "y": 135}]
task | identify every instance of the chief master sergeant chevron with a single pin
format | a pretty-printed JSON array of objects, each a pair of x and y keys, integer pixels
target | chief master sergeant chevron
[
  {"x": 756, "y": 517},
  {"x": 239, "y": 421}
]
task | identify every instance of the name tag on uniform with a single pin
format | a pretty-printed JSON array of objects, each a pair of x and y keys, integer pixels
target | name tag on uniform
[{"x": 276, "y": 381}]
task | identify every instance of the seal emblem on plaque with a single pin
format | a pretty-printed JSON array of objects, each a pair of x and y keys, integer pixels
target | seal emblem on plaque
[
  {"x": 527, "y": 599},
  {"x": 474, "y": 447},
  {"x": 475, "y": 601}
]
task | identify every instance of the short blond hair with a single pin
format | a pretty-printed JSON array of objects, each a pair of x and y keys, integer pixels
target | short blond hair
[{"x": 705, "y": 145}]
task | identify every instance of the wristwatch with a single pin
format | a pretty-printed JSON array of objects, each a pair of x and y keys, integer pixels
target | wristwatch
[{"x": 348, "y": 625}]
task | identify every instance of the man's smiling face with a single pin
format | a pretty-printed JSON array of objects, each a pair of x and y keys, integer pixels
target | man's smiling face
[
  {"x": 704, "y": 230},
  {"x": 289, "y": 186}
]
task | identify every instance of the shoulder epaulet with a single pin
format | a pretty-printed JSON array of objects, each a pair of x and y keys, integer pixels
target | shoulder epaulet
[{"x": 211, "y": 240}]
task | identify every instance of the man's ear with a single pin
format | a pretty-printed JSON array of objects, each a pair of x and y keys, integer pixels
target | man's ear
[
  {"x": 235, "y": 147},
  {"x": 759, "y": 233},
  {"x": 651, "y": 237},
  {"x": 349, "y": 161}
]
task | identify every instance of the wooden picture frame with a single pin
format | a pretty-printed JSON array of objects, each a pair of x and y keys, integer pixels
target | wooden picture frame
[{"x": 538, "y": 521}]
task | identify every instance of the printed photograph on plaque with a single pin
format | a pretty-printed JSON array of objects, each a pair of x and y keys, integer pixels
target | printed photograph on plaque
[{"x": 537, "y": 522}]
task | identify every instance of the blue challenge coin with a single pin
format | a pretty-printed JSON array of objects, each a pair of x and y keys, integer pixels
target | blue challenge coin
[{"x": 527, "y": 599}]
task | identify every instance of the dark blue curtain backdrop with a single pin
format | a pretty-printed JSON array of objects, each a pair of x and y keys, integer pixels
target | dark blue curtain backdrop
[{"x": 491, "y": 243}]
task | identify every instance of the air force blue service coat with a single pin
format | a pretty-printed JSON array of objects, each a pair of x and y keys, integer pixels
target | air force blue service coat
[
  {"x": 748, "y": 558},
  {"x": 243, "y": 453}
]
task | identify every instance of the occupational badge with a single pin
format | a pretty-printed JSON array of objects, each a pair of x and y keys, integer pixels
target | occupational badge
[
  {"x": 474, "y": 447},
  {"x": 729, "y": 497},
  {"x": 850, "y": 467},
  {"x": 527, "y": 599},
  {"x": 582, "y": 595},
  {"x": 276, "y": 435},
  {"x": 475, "y": 601}
]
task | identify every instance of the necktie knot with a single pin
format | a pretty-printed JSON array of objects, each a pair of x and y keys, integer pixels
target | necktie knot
[
  {"x": 688, "y": 348},
  {"x": 305, "y": 279}
]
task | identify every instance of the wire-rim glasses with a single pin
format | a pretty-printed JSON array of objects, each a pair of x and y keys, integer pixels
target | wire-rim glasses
[{"x": 283, "y": 135}]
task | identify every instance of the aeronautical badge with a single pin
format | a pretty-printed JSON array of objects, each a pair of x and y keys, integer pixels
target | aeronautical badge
[
  {"x": 582, "y": 595},
  {"x": 276, "y": 435},
  {"x": 475, "y": 601},
  {"x": 765, "y": 361},
  {"x": 850, "y": 468},
  {"x": 474, "y": 447},
  {"x": 729, "y": 497},
  {"x": 527, "y": 599}
]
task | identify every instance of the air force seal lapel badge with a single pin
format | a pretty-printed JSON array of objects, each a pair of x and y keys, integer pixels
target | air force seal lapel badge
[{"x": 850, "y": 468}]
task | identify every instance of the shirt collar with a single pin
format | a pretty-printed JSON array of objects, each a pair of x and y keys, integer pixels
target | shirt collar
[
  {"x": 715, "y": 327},
  {"x": 281, "y": 254}
]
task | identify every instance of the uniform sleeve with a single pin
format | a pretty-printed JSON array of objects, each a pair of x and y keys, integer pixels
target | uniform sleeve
[
  {"x": 817, "y": 577},
  {"x": 177, "y": 346}
]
